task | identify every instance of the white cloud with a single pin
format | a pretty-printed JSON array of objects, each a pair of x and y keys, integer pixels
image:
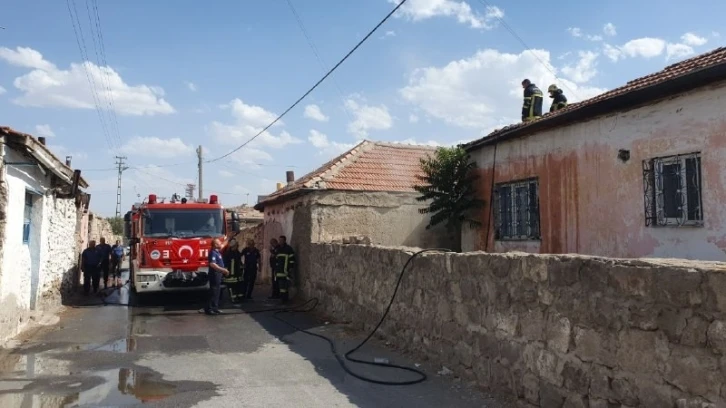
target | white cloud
[
  {"x": 693, "y": 40},
  {"x": 157, "y": 147},
  {"x": 191, "y": 85},
  {"x": 320, "y": 141},
  {"x": 226, "y": 173},
  {"x": 418, "y": 10},
  {"x": 49, "y": 86},
  {"x": 585, "y": 69},
  {"x": 715, "y": 34},
  {"x": 389, "y": 33},
  {"x": 315, "y": 113},
  {"x": 677, "y": 51},
  {"x": 484, "y": 91},
  {"x": 646, "y": 47},
  {"x": 249, "y": 120},
  {"x": 575, "y": 31},
  {"x": 44, "y": 130},
  {"x": 609, "y": 29},
  {"x": 367, "y": 117},
  {"x": 413, "y": 118},
  {"x": 2, "y": 90}
]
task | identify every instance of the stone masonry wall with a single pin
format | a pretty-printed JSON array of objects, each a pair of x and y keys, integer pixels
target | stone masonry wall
[
  {"x": 100, "y": 227},
  {"x": 551, "y": 330}
]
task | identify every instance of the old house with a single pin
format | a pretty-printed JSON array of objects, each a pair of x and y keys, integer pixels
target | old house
[
  {"x": 638, "y": 171},
  {"x": 365, "y": 192},
  {"x": 40, "y": 205}
]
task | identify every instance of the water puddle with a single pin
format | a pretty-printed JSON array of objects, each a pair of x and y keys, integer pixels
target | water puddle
[
  {"x": 117, "y": 387},
  {"x": 119, "y": 346}
]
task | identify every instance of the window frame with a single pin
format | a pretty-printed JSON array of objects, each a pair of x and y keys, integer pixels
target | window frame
[
  {"x": 654, "y": 192},
  {"x": 28, "y": 206},
  {"x": 514, "y": 212}
]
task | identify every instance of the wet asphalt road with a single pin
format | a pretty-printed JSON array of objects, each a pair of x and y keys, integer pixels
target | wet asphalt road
[{"x": 169, "y": 355}]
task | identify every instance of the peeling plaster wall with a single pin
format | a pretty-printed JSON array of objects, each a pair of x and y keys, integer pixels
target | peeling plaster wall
[
  {"x": 32, "y": 274},
  {"x": 591, "y": 202},
  {"x": 550, "y": 330},
  {"x": 326, "y": 216}
]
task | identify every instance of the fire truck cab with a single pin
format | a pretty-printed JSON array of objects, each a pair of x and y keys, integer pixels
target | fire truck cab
[{"x": 170, "y": 242}]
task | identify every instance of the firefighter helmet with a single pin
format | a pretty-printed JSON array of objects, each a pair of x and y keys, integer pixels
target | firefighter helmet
[{"x": 552, "y": 88}]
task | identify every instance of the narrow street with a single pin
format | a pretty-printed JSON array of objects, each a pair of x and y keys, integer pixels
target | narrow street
[{"x": 171, "y": 356}]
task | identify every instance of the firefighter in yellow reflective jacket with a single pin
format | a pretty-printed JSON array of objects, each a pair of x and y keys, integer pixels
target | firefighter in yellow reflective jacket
[
  {"x": 559, "y": 100},
  {"x": 234, "y": 281},
  {"x": 532, "y": 107},
  {"x": 284, "y": 267}
]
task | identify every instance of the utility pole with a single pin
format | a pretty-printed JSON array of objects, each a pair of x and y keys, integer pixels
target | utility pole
[
  {"x": 121, "y": 168},
  {"x": 199, "y": 155}
]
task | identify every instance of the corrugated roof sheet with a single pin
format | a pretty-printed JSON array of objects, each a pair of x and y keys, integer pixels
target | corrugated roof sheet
[
  {"x": 709, "y": 59},
  {"x": 369, "y": 166}
]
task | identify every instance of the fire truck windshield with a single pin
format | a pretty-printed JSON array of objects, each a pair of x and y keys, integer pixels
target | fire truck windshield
[{"x": 183, "y": 223}]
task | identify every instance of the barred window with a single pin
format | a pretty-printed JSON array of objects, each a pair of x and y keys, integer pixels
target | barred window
[
  {"x": 673, "y": 190},
  {"x": 516, "y": 207}
]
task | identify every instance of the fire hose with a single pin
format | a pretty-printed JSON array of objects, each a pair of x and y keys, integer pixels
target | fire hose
[{"x": 348, "y": 356}]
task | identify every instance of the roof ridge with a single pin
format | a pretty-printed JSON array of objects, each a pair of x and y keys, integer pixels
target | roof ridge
[
  {"x": 401, "y": 145},
  {"x": 339, "y": 161},
  {"x": 350, "y": 158}
]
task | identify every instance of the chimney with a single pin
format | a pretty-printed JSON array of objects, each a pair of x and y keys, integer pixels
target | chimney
[
  {"x": 68, "y": 161},
  {"x": 279, "y": 186},
  {"x": 41, "y": 139},
  {"x": 290, "y": 177}
]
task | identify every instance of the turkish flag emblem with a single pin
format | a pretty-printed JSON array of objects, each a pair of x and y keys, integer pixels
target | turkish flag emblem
[{"x": 185, "y": 251}]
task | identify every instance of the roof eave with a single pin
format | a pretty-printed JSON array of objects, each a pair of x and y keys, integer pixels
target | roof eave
[
  {"x": 44, "y": 156},
  {"x": 284, "y": 197},
  {"x": 629, "y": 100}
]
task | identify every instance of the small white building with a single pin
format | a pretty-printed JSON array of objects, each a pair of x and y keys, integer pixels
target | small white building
[{"x": 39, "y": 213}]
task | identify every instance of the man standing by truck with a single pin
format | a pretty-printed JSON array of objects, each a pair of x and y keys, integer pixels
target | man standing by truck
[
  {"x": 104, "y": 250},
  {"x": 216, "y": 271},
  {"x": 117, "y": 256},
  {"x": 252, "y": 263}
]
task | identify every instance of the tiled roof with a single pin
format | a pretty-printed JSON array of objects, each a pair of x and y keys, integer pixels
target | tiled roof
[
  {"x": 693, "y": 65},
  {"x": 369, "y": 166},
  {"x": 41, "y": 153}
]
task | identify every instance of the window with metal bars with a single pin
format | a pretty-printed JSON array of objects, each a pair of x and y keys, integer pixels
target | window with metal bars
[
  {"x": 672, "y": 187},
  {"x": 516, "y": 209}
]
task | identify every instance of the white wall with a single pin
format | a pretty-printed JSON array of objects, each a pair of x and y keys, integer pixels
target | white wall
[{"x": 31, "y": 274}]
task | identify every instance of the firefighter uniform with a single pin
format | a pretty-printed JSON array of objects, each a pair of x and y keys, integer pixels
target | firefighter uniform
[
  {"x": 532, "y": 106},
  {"x": 235, "y": 280},
  {"x": 275, "y": 282},
  {"x": 559, "y": 100},
  {"x": 284, "y": 267}
]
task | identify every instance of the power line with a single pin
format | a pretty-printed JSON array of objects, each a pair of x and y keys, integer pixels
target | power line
[
  {"x": 322, "y": 63},
  {"x": 101, "y": 62},
  {"x": 314, "y": 86},
  {"x": 91, "y": 83},
  {"x": 527, "y": 48}
]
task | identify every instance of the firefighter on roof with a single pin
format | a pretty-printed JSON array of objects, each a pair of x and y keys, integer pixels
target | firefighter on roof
[
  {"x": 284, "y": 267},
  {"x": 532, "y": 107},
  {"x": 559, "y": 100}
]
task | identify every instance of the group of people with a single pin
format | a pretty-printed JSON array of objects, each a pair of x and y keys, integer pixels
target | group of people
[
  {"x": 532, "y": 106},
  {"x": 244, "y": 264},
  {"x": 101, "y": 260}
]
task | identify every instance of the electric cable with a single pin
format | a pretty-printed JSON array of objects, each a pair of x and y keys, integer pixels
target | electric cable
[
  {"x": 348, "y": 356},
  {"x": 421, "y": 376},
  {"x": 320, "y": 81}
]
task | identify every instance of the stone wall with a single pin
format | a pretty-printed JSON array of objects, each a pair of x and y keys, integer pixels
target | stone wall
[
  {"x": 551, "y": 330},
  {"x": 100, "y": 227}
]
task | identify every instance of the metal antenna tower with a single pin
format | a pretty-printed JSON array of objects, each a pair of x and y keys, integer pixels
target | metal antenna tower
[
  {"x": 121, "y": 168},
  {"x": 189, "y": 191}
]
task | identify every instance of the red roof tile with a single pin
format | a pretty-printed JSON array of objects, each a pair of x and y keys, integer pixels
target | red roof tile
[
  {"x": 369, "y": 166},
  {"x": 710, "y": 59}
]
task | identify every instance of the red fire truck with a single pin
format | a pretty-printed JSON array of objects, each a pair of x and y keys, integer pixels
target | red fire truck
[{"x": 170, "y": 242}]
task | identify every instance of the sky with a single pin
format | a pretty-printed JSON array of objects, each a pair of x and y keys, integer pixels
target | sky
[{"x": 152, "y": 81}]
